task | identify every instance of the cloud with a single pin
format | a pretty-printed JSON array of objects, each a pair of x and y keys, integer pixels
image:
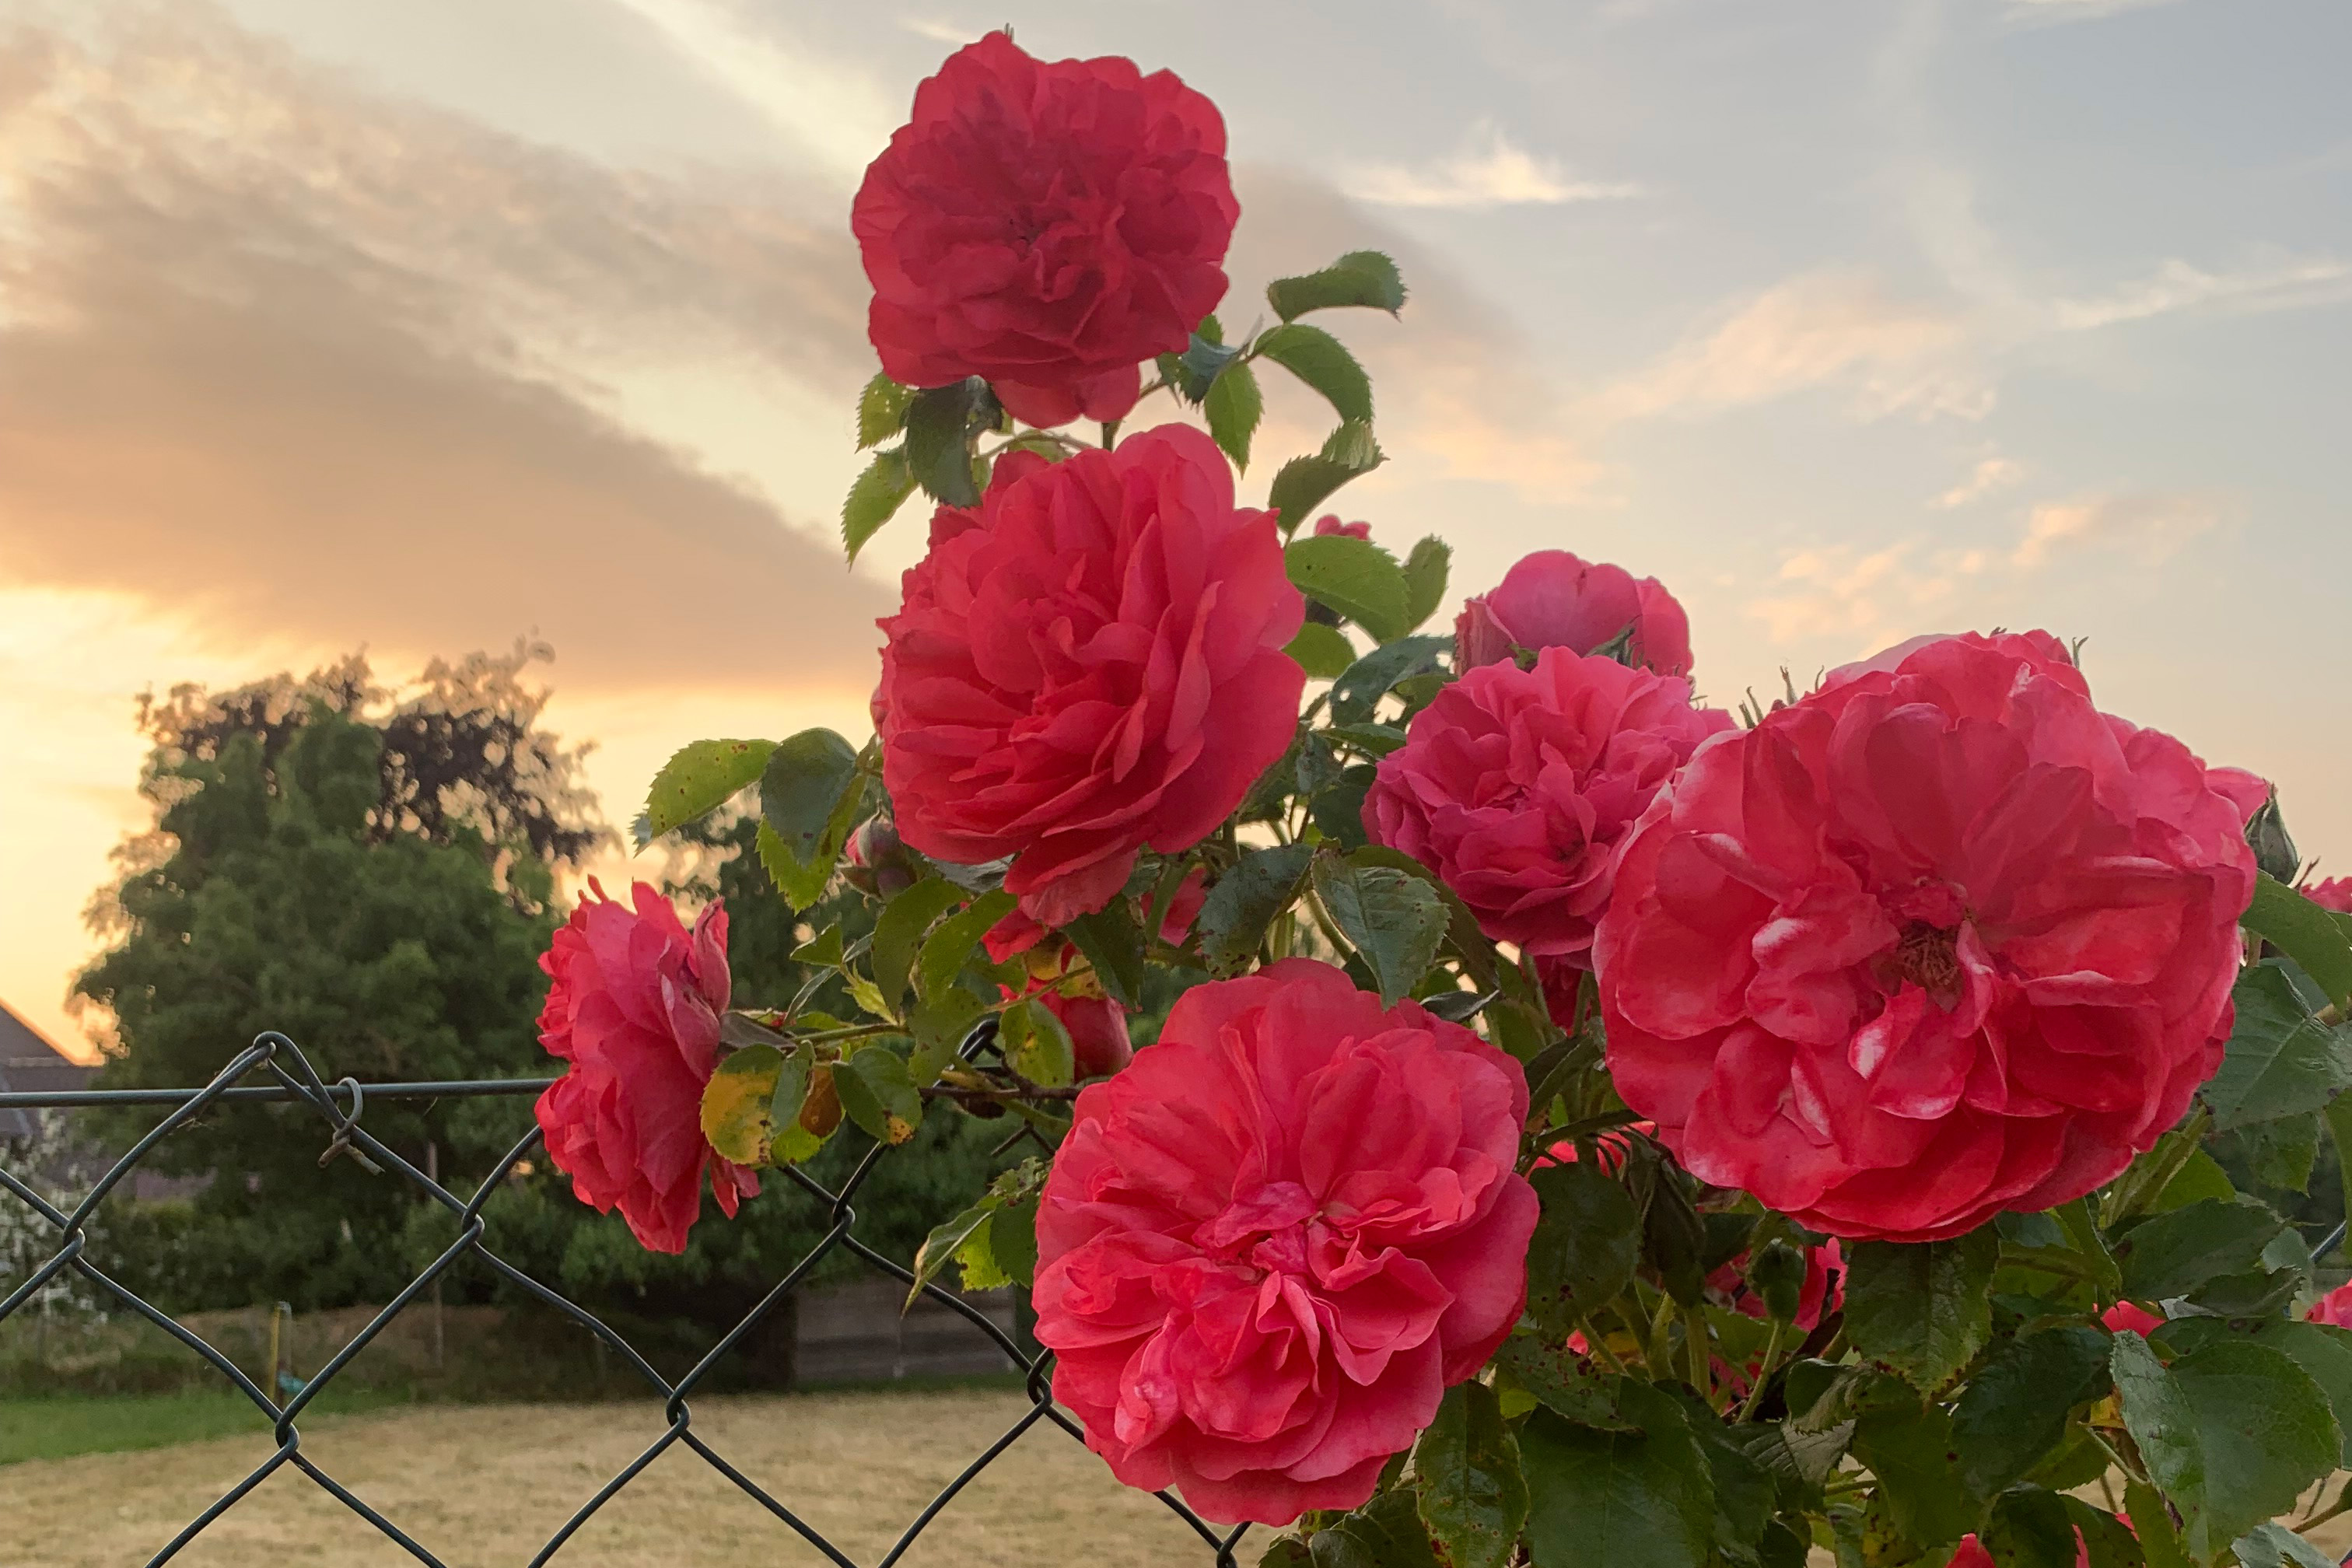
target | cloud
[
  {"x": 1491, "y": 171},
  {"x": 2147, "y": 527},
  {"x": 1841, "y": 330},
  {"x": 2176, "y": 286},
  {"x": 1866, "y": 597},
  {"x": 1991, "y": 474},
  {"x": 2051, "y": 13},
  {"x": 938, "y": 31},
  {"x": 285, "y": 359}
]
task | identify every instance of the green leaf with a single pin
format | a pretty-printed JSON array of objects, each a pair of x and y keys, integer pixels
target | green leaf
[
  {"x": 1234, "y": 407},
  {"x": 1113, "y": 943},
  {"x": 1392, "y": 918},
  {"x": 1744, "y": 1490},
  {"x": 822, "y": 950},
  {"x": 1037, "y": 1044},
  {"x": 2232, "y": 1432},
  {"x": 1324, "y": 364},
  {"x": 1357, "y": 691},
  {"x": 1470, "y": 944},
  {"x": 874, "y": 499},
  {"x": 1205, "y": 357},
  {"x": 700, "y": 779},
  {"x": 1630, "y": 1499},
  {"x": 2014, "y": 1409},
  {"x": 947, "y": 1240},
  {"x": 2152, "y": 1527},
  {"x": 1585, "y": 1246},
  {"x": 2276, "y": 1546},
  {"x": 2173, "y": 1253},
  {"x": 2281, "y": 1061},
  {"x": 1244, "y": 901},
  {"x": 881, "y": 410},
  {"x": 1424, "y": 577},
  {"x": 1303, "y": 484},
  {"x": 2306, "y": 932},
  {"x": 2030, "y": 1529},
  {"x": 799, "y": 884},
  {"x": 2201, "y": 1176},
  {"x": 1473, "y": 1497},
  {"x": 1364, "y": 277},
  {"x": 736, "y": 1115},
  {"x": 2107, "y": 1541},
  {"x": 1386, "y": 1532},
  {"x": 1013, "y": 1238},
  {"x": 1562, "y": 1380},
  {"x": 2323, "y": 1352},
  {"x": 1673, "y": 1239},
  {"x": 1353, "y": 576},
  {"x": 795, "y": 1141},
  {"x": 951, "y": 942},
  {"x": 1323, "y": 652},
  {"x": 801, "y": 790},
  {"x": 878, "y": 1094},
  {"x": 940, "y": 421},
  {"x": 899, "y": 933},
  {"x": 1909, "y": 1450},
  {"x": 1921, "y": 1310}
]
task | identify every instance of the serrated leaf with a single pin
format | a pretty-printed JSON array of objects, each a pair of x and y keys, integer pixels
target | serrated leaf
[
  {"x": 1244, "y": 903},
  {"x": 1425, "y": 573},
  {"x": 2173, "y": 1253},
  {"x": 1357, "y": 693},
  {"x": 2152, "y": 1527},
  {"x": 946, "y": 1239},
  {"x": 1113, "y": 943},
  {"x": 898, "y": 933},
  {"x": 697, "y": 779},
  {"x": 1909, "y": 1450},
  {"x": 1586, "y": 1245},
  {"x": 801, "y": 788},
  {"x": 881, "y": 410},
  {"x": 1037, "y": 1044},
  {"x": 2322, "y": 1351},
  {"x": 1353, "y": 576},
  {"x": 940, "y": 421},
  {"x": 1473, "y": 1499},
  {"x": 1303, "y": 484},
  {"x": 1362, "y": 278},
  {"x": 2030, "y": 1529},
  {"x": 2280, "y": 1061},
  {"x": 799, "y": 885},
  {"x": 878, "y": 1093},
  {"x": 2014, "y": 1409},
  {"x": 1323, "y": 652},
  {"x": 1921, "y": 1310},
  {"x": 2274, "y": 1545},
  {"x": 1394, "y": 919},
  {"x": 1564, "y": 1381},
  {"x": 2107, "y": 1541},
  {"x": 1012, "y": 1240},
  {"x": 874, "y": 499},
  {"x": 1638, "y": 1499},
  {"x": 822, "y": 950},
  {"x": 951, "y": 944},
  {"x": 736, "y": 1118},
  {"x": 2306, "y": 932},
  {"x": 1234, "y": 407},
  {"x": 1324, "y": 364}
]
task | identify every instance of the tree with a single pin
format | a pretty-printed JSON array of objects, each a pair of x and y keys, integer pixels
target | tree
[{"x": 372, "y": 877}]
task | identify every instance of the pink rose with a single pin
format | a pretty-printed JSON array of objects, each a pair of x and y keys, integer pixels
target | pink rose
[
  {"x": 1046, "y": 224},
  {"x": 1935, "y": 941},
  {"x": 2334, "y": 893},
  {"x": 1516, "y": 786},
  {"x": 633, "y": 1007},
  {"x": 1330, "y": 524},
  {"x": 1971, "y": 1553},
  {"x": 1099, "y": 1045},
  {"x": 1094, "y": 665},
  {"x": 1553, "y": 599},
  {"x": 2334, "y": 1309},
  {"x": 2138, "y": 1320},
  {"x": 1268, "y": 1246},
  {"x": 1824, "y": 1287}
]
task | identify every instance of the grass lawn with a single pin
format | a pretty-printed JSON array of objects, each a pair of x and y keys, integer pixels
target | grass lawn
[
  {"x": 62, "y": 1426},
  {"x": 482, "y": 1486}
]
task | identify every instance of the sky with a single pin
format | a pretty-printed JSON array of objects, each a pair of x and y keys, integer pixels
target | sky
[{"x": 419, "y": 325}]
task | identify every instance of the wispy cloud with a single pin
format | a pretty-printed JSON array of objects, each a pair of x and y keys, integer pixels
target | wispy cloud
[
  {"x": 1843, "y": 329},
  {"x": 1491, "y": 171},
  {"x": 1989, "y": 475},
  {"x": 2148, "y": 528},
  {"x": 1865, "y": 594},
  {"x": 2178, "y": 286},
  {"x": 938, "y": 31}
]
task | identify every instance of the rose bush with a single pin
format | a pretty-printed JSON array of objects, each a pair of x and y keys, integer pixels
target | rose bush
[
  {"x": 1268, "y": 1247},
  {"x": 1578, "y": 1127},
  {"x": 633, "y": 1001},
  {"x": 1938, "y": 941},
  {"x": 1046, "y": 225}
]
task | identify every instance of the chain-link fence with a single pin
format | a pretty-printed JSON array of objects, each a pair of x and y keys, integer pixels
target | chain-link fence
[{"x": 279, "y": 1071}]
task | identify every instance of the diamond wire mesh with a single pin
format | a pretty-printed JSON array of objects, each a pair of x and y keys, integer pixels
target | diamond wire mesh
[{"x": 282, "y": 1061}]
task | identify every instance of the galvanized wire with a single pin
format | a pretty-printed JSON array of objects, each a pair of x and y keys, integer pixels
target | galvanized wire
[{"x": 288, "y": 1076}]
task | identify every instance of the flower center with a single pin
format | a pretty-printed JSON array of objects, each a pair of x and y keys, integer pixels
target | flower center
[{"x": 1928, "y": 957}]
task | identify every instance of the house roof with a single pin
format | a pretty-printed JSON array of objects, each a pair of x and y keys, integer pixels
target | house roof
[{"x": 30, "y": 1065}]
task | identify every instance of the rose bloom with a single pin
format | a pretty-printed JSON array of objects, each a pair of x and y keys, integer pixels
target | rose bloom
[
  {"x": 2334, "y": 1309},
  {"x": 1553, "y": 599},
  {"x": 1938, "y": 941},
  {"x": 1325, "y": 527},
  {"x": 1046, "y": 224},
  {"x": 1092, "y": 665},
  {"x": 2138, "y": 1320},
  {"x": 1516, "y": 786},
  {"x": 1269, "y": 1246},
  {"x": 2334, "y": 893},
  {"x": 633, "y": 1006},
  {"x": 1971, "y": 1553}
]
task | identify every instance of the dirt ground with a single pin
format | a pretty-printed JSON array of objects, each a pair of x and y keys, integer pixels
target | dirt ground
[{"x": 486, "y": 1485}]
